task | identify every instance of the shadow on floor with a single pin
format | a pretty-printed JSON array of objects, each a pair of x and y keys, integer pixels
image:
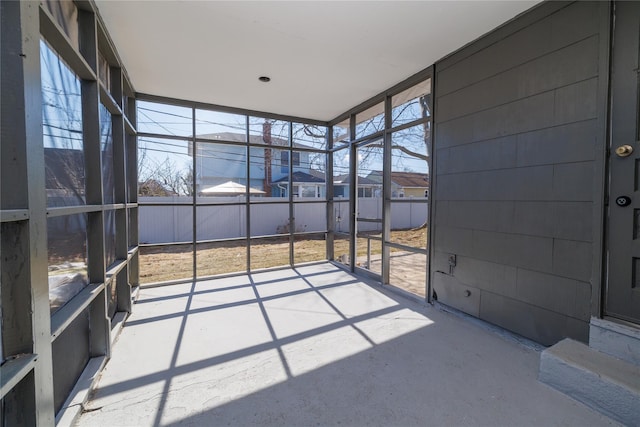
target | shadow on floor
[{"x": 315, "y": 346}]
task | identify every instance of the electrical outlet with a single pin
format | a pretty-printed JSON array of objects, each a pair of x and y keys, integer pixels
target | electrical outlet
[{"x": 452, "y": 263}]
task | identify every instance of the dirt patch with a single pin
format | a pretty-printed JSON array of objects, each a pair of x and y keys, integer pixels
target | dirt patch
[{"x": 165, "y": 263}]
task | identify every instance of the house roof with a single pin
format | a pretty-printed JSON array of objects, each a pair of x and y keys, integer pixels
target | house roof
[
  {"x": 345, "y": 179},
  {"x": 375, "y": 176},
  {"x": 402, "y": 179},
  {"x": 301, "y": 177},
  {"x": 410, "y": 179},
  {"x": 317, "y": 173}
]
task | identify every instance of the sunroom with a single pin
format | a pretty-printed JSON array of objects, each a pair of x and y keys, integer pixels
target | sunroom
[{"x": 292, "y": 213}]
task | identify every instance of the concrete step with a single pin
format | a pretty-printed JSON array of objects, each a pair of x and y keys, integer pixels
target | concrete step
[
  {"x": 605, "y": 383},
  {"x": 615, "y": 339}
]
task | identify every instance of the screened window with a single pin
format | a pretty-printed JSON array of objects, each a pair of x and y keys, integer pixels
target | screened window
[
  {"x": 370, "y": 121},
  {"x": 106, "y": 143},
  {"x": 412, "y": 104},
  {"x": 62, "y": 131},
  {"x": 67, "y": 252},
  {"x": 164, "y": 119},
  {"x": 221, "y": 126},
  {"x": 342, "y": 132}
]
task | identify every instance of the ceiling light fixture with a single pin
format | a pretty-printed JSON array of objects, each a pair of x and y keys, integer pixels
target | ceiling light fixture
[{"x": 264, "y": 79}]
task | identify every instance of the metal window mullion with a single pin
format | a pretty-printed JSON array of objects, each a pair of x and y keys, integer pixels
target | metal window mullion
[
  {"x": 13, "y": 215},
  {"x": 72, "y": 210},
  {"x": 134, "y": 268},
  {"x": 431, "y": 200},
  {"x": 117, "y": 86},
  {"x": 353, "y": 193},
  {"x": 329, "y": 194},
  {"x": 386, "y": 193},
  {"x": 123, "y": 289},
  {"x": 119, "y": 168},
  {"x": 99, "y": 335},
  {"x": 132, "y": 194},
  {"x": 194, "y": 195},
  {"x": 25, "y": 319},
  {"x": 365, "y": 140},
  {"x": 292, "y": 219},
  {"x": 131, "y": 172},
  {"x": 302, "y": 149},
  {"x": 408, "y": 125},
  {"x": 406, "y": 248},
  {"x": 132, "y": 153},
  {"x": 108, "y": 100},
  {"x": 247, "y": 194},
  {"x": 128, "y": 126}
]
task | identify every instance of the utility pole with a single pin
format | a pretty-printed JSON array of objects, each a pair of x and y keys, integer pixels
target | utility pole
[{"x": 266, "y": 137}]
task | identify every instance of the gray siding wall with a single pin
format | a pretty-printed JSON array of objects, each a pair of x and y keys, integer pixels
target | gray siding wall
[{"x": 518, "y": 162}]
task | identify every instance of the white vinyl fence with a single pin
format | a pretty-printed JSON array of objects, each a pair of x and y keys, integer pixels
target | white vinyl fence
[{"x": 169, "y": 224}]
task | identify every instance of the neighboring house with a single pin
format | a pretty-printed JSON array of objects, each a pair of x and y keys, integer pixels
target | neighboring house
[
  {"x": 405, "y": 184},
  {"x": 268, "y": 167},
  {"x": 409, "y": 184},
  {"x": 219, "y": 164},
  {"x": 304, "y": 184},
  {"x": 366, "y": 187}
]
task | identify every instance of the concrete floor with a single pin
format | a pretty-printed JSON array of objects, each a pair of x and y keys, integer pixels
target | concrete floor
[{"x": 316, "y": 346}]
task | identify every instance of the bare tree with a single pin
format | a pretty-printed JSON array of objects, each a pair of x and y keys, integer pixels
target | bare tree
[
  {"x": 409, "y": 144},
  {"x": 175, "y": 180},
  {"x": 161, "y": 171},
  {"x": 410, "y": 147}
]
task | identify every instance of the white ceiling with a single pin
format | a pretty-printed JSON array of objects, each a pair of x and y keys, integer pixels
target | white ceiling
[{"x": 323, "y": 57}]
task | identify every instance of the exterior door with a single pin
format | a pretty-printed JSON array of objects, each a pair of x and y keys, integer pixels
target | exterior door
[
  {"x": 622, "y": 299},
  {"x": 368, "y": 226}
]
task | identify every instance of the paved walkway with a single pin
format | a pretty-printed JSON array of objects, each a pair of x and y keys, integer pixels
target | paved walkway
[
  {"x": 408, "y": 270},
  {"x": 316, "y": 346}
]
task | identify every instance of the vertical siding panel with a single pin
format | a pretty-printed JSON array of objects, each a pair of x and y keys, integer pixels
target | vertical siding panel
[{"x": 516, "y": 137}]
